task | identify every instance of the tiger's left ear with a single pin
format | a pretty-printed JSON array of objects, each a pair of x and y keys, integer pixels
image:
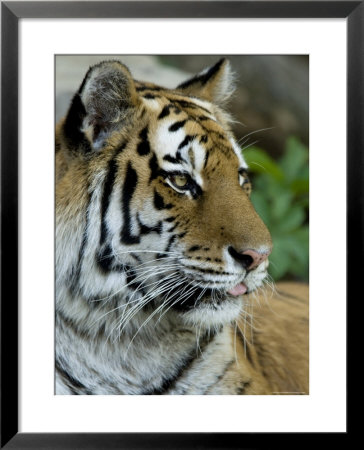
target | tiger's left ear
[
  {"x": 104, "y": 103},
  {"x": 214, "y": 84}
]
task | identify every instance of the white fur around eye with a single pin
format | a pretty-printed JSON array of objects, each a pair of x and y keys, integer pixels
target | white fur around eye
[{"x": 242, "y": 179}]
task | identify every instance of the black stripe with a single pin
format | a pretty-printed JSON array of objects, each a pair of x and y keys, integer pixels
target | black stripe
[
  {"x": 77, "y": 271},
  {"x": 159, "y": 202},
  {"x": 179, "y": 156},
  {"x": 186, "y": 141},
  {"x": 144, "y": 229},
  {"x": 173, "y": 227},
  {"x": 211, "y": 72},
  {"x": 154, "y": 168},
  {"x": 142, "y": 113},
  {"x": 203, "y": 79},
  {"x": 70, "y": 323},
  {"x": 105, "y": 259},
  {"x": 242, "y": 387},
  {"x": 172, "y": 159},
  {"x": 73, "y": 125},
  {"x": 219, "y": 135},
  {"x": 190, "y": 105},
  {"x": 168, "y": 247},
  {"x": 143, "y": 146},
  {"x": 72, "y": 382},
  {"x": 207, "y": 155},
  {"x": 177, "y": 125},
  {"x": 105, "y": 200},
  {"x": 200, "y": 269},
  {"x": 165, "y": 112},
  {"x": 150, "y": 96},
  {"x": 221, "y": 376},
  {"x": 183, "y": 367},
  {"x": 130, "y": 281},
  {"x": 170, "y": 243},
  {"x": 167, "y": 109},
  {"x": 107, "y": 263},
  {"x": 148, "y": 88},
  {"x": 136, "y": 257},
  {"x": 194, "y": 248},
  {"x": 243, "y": 172},
  {"x": 130, "y": 183}
]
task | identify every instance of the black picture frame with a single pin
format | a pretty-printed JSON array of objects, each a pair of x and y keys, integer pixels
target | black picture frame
[{"x": 11, "y": 13}]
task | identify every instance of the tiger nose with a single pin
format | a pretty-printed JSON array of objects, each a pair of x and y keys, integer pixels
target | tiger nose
[{"x": 250, "y": 258}]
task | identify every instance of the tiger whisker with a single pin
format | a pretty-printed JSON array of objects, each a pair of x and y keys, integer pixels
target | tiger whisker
[
  {"x": 144, "y": 323},
  {"x": 145, "y": 300},
  {"x": 254, "y": 132},
  {"x": 130, "y": 300},
  {"x": 133, "y": 311},
  {"x": 235, "y": 332},
  {"x": 160, "y": 308},
  {"x": 250, "y": 145},
  {"x": 175, "y": 302},
  {"x": 152, "y": 271}
]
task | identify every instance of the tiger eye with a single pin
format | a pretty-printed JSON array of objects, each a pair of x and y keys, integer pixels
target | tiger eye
[{"x": 180, "y": 180}]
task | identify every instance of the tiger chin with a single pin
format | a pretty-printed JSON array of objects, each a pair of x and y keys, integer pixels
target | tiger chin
[{"x": 159, "y": 250}]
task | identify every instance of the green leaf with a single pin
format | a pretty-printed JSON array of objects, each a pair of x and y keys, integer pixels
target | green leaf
[
  {"x": 280, "y": 196},
  {"x": 304, "y": 172},
  {"x": 294, "y": 159},
  {"x": 290, "y": 254},
  {"x": 300, "y": 186},
  {"x": 261, "y": 206},
  {"x": 293, "y": 218},
  {"x": 281, "y": 204},
  {"x": 261, "y": 183},
  {"x": 279, "y": 261},
  {"x": 303, "y": 202},
  {"x": 302, "y": 236}
]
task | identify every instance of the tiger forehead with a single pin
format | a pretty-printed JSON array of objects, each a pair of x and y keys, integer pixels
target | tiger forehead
[
  {"x": 184, "y": 132},
  {"x": 167, "y": 104}
]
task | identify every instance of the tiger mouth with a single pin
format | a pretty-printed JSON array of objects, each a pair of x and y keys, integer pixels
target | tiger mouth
[{"x": 214, "y": 297}]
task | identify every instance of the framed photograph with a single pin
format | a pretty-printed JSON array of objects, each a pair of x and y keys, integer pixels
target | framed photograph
[{"x": 52, "y": 283}]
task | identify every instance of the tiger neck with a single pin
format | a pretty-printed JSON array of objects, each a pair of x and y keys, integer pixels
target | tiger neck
[{"x": 140, "y": 360}]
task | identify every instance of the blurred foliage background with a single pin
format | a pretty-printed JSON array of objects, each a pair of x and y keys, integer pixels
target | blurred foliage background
[
  {"x": 271, "y": 111},
  {"x": 280, "y": 196}
]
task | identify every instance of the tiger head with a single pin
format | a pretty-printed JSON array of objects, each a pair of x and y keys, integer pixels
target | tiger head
[{"x": 152, "y": 198}]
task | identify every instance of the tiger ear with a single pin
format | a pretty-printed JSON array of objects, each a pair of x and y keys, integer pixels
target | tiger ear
[
  {"x": 102, "y": 104},
  {"x": 215, "y": 84}
]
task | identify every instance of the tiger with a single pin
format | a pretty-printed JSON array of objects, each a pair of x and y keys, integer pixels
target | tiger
[{"x": 160, "y": 254}]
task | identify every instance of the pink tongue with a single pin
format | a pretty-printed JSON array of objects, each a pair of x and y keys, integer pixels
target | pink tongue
[{"x": 239, "y": 289}]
